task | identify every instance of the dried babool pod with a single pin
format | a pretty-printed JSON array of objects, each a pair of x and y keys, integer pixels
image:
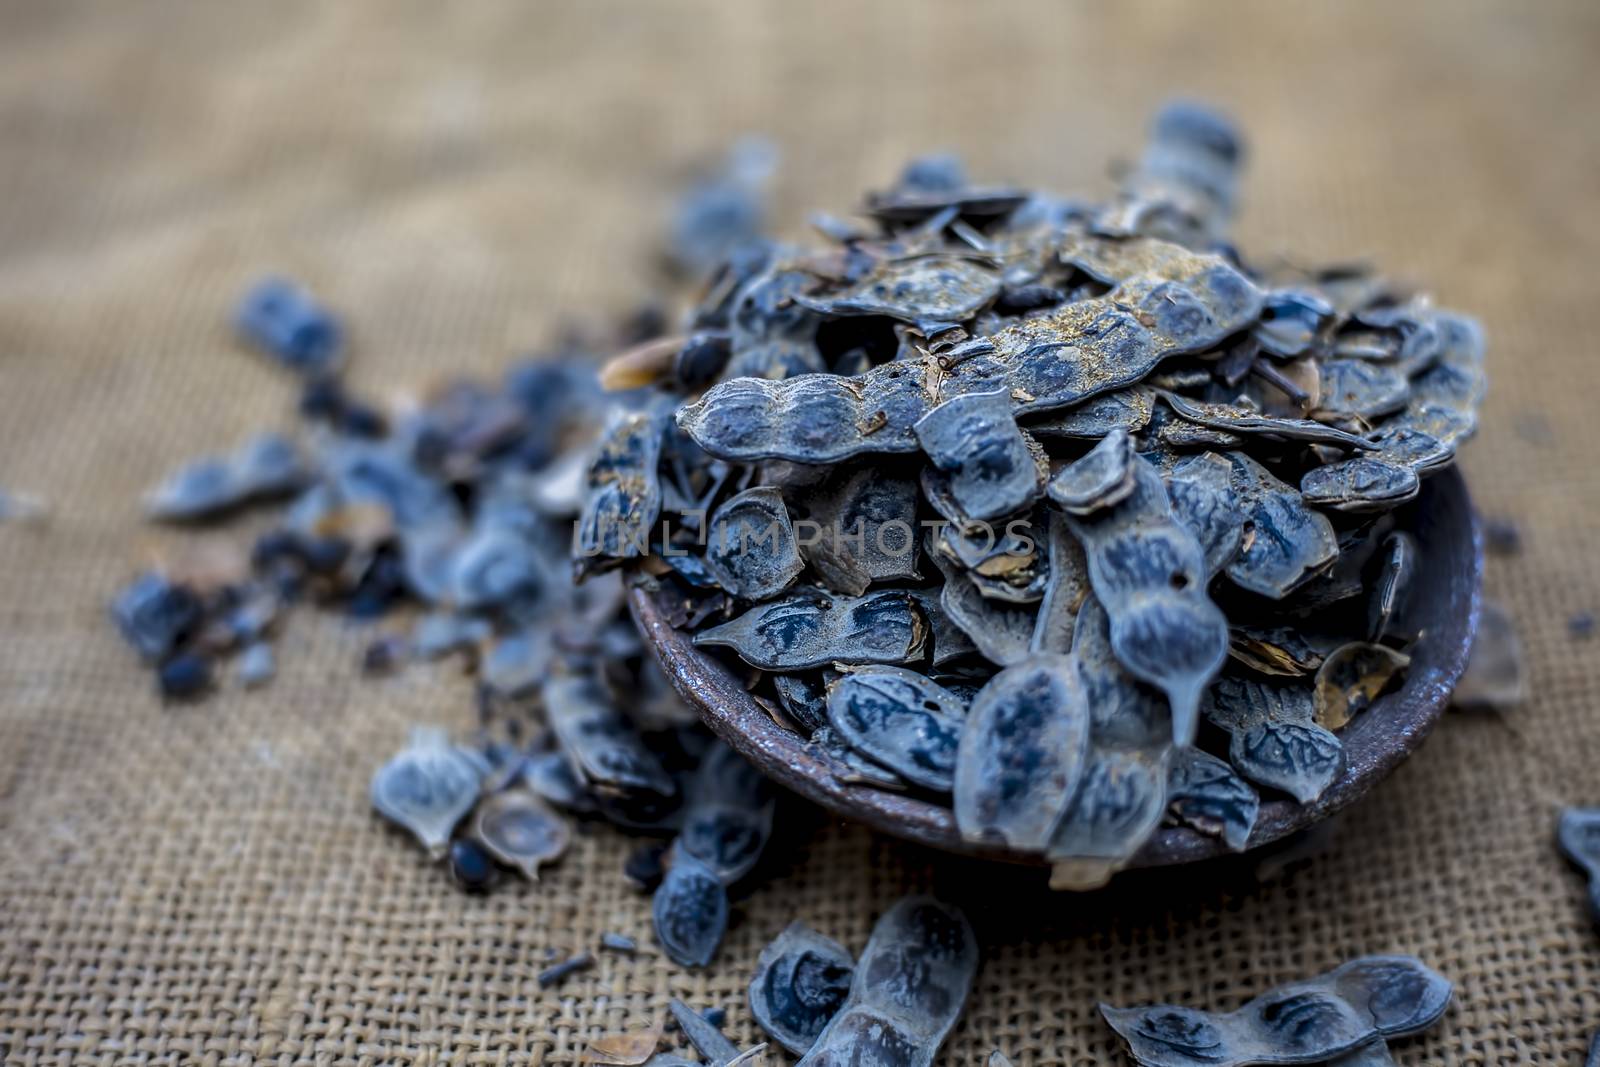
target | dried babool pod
[
  {"x": 1360, "y": 485},
  {"x": 1362, "y": 390},
  {"x": 814, "y": 418},
  {"x": 1126, "y": 409},
  {"x": 1021, "y": 753},
  {"x": 266, "y": 466},
  {"x": 1274, "y": 740},
  {"x": 1579, "y": 836},
  {"x": 156, "y": 616},
  {"x": 868, "y": 524},
  {"x": 1101, "y": 479},
  {"x": 847, "y": 765},
  {"x": 517, "y": 664},
  {"x": 1122, "y": 791},
  {"x": 1496, "y": 674},
  {"x": 285, "y": 321},
  {"x": 1198, "y": 490},
  {"x": 900, "y": 719},
  {"x": 498, "y": 568},
  {"x": 1243, "y": 421},
  {"x": 690, "y": 910},
  {"x": 1205, "y": 793},
  {"x": 934, "y": 185},
  {"x": 1173, "y": 302},
  {"x": 801, "y": 981},
  {"x": 729, "y": 815},
  {"x": 924, "y": 290},
  {"x": 519, "y": 831},
  {"x": 1351, "y": 678},
  {"x": 1149, "y": 574},
  {"x": 806, "y": 630},
  {"x": 804, "y": 698},
  {"x": 1290, "y": 320},
  {"x": 774, "y": 360},
  {"x": 1396, "y": 575},
  {"x": 1185, "y": 183},
  {"x": 1285, "y": 542},
  {"x": 1349, "y": 1008},
  {"x": 599, "y": 740},
  {"x": 550, "y": 776},
  {"x": 750, "y": 545},
  {"x": 427, "y": 788},
  {"x": 975, "y": 439},
  {"x": 910, "y": 987},
  {"x": 624, "y": 494}
]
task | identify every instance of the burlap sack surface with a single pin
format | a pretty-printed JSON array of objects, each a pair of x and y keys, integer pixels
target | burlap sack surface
[{"x": 206, "y": 884}]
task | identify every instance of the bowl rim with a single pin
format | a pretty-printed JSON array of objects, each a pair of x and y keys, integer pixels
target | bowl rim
[{"x": 1375, "y": 743}]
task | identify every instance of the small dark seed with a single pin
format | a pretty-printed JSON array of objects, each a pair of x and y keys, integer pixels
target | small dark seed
[
  {"x": 552, "y": 975},
  {"x": 185, "y": 675},
  {"x": 471, "y": 868}
]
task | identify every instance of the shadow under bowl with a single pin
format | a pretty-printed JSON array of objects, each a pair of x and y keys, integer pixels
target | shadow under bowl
[{"x": 1443, "y": 604}]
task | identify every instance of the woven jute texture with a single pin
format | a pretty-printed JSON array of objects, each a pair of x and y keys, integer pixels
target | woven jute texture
[{"x": 206, "y": 884}]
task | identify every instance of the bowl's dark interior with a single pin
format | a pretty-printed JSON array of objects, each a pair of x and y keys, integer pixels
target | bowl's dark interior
[{"x": 1445, "y": 603}]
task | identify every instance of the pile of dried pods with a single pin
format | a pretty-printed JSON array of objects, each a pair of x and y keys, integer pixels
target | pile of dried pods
[
  {"x": 448, "y": 520},
  {"x": 1002, "y": 497}
]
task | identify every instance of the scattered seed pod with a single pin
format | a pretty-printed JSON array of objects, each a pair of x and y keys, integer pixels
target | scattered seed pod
[
  {"x": 1348, "y": 1009},
  {"x": 975, "y": 439},
  {"x": 519, "y": 831},
  {"x": 427, "y": 788},
  {"x": 690, "y": 909},
  {"x": 1274, "y": 738},
  {"x": 909, "y": 989},
  {"x": 801, "y": 980},
  {"x": 285, "y": 321},
  {"x": 1205, "y": 793}
]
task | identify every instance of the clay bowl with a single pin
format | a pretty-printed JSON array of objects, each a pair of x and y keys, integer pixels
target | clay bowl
[{"x": 1445, "y": 599}]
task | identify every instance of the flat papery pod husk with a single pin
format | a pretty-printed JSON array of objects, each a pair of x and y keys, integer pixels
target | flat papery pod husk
[
  {"x": 1360, "y": 485},
  {"x": 848, "y": 766},
  {"x": 1148, "y": 571},
  {"x": 1066, "y": 591},
  {"x": 1351, "y": 678},
  {"x": 601, "y": 742},
  {"x": 806, "y": 630},
  {"x": 626, "y": 1049},
  {"x": 1397, "y": 573},
  {"x": 1101, "y": 479},
  {"x": 1002, "y": 632},
  {"x": 870, "y": 518},
  {"x": 921, "y": 289},
  {"x": 1233, "y": 419},
  {"x": 1496, "y": 674},
  {"x": 690, "y": 910},
  {"x": 518, "y": 830},
  {"x": 910, "y": 987},
  {"x": 1009, "y": 563},
  {"x": 900, "y": 719},
  {"x": 1022, "y": 753},
  {"x": 1273, "y": 738},
  {"x": 623, "y": 496},
  {"x": 1126, "y": 409},
  {"x": 975, "y": 439},
  {"x": 751, "y": 545},
  {"x": 1285, "y": 542},
  {"x": 1323, "y": 1019},
  {"x": 1204, "y": 792},
  {"x": 428, "y": 787},
  {"x": 801, "y": 981},
  {"x": 1201, "y": 500}
]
